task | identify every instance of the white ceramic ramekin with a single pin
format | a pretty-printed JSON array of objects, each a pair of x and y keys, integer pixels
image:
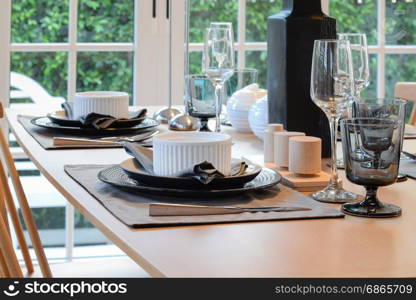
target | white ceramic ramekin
[
  {"x": 115, "y": 104},
  {"x": 179, "y": 151}
]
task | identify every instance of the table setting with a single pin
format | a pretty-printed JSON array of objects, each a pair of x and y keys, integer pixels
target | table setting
[
  {"x": 92, "y": 120},
  {"x": 188, "y": 175}
]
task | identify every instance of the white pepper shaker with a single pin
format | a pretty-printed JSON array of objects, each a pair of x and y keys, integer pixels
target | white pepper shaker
[{"x": 269, "y": 141}]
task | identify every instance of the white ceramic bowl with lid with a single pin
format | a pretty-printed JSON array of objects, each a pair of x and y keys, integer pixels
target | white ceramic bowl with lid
[
  {"x": 174, "y": 152},
  {"x": 111, "y": 103}
]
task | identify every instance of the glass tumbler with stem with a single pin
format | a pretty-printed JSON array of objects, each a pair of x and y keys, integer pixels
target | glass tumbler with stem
[
  {"x": 218, "y": 63},
  {"x": 200, "y": 99},
  {"x": 381, "y": 139},
  {"x": 332, "y": 86}
]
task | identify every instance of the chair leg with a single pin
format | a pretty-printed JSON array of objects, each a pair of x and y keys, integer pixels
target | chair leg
[
  {"x": 3, "y": 266},
  {"x": 3, "y": 209},
  {"x": 9, "y": 254},
  {"x": 5, "y": 190},
  {"x": 24, "y": 206},
  {"x": 413, "y": 115}
]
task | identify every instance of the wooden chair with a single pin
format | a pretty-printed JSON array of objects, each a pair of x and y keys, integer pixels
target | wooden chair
[
  {"x": 407, "y": 91},
  {"x": 9, "y": 265}
]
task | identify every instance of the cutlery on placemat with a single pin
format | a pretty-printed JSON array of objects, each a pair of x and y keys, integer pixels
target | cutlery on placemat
[
  {"x": 160, "y": 209},
  {"x": 135, "y": 138},
  {"x": 409, "y": 155},
  {"x": 67, "y": 141}
]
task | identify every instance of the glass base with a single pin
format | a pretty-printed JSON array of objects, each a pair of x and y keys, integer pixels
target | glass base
[
  {"x": 334, "y": 194},
  {"x": 363, "y": 209}
]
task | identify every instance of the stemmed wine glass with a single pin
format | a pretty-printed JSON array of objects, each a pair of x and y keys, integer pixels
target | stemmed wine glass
[
  {"x": 360, "y": 64},
  {"x": 332, "y": 86},
  {"x": 361, "y": 70},
  {"x": 218, "y": 63},
  {"x": 381, "y": 139}
]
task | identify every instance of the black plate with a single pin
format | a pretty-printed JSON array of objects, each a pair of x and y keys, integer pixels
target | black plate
[
  {"x": 45, "y": 122},
  {"x": 117, "y": 177},
  {"x": 59, "y": 117},
  {"x": 135, "y": 171}
]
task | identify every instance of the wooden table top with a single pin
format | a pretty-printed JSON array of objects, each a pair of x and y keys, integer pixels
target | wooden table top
[{"x": 346, "y": 247}]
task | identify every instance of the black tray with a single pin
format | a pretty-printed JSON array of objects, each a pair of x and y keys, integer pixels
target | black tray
[
  {"x": 134, "y": 170},
  {"x": 117, "y": 177}
]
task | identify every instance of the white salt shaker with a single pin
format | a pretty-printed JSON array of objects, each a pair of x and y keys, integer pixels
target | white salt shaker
[
  {"x": 269, "y": 141},
  {"x": 281, "y": 147},
  {"x": 305, "y": 155}
]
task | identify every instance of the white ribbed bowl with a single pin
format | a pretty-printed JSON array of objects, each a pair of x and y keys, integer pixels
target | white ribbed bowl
[
  {"x": 115, "y": 104},
  {"x": 176, "y": 152}
]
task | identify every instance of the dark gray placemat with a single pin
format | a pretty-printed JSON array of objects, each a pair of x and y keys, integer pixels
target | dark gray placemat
[
  {"x": 133, "y": 209},
  {"x": 408, "y": 167},
  {"x": 45, "y": 136}
]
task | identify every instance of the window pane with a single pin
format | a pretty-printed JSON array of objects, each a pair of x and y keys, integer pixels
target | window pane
[
  {"x": 399, "y": 68},
  {"x": 400, "y": 23},
  {"x": 39, "y": 21},
  {"x": 356, "y": 18},
  {"x": 195, "y": 62},
  {"x": 105, "y": 21},
  {"x": 257, "y": 12},
  {"x": 258, "y": 60},
  {"x": 371, "y": 90},
  {"x": 47, "y": 69},
  {"x": 202, "y": 12},
  {"x": 105, "y": 71}
]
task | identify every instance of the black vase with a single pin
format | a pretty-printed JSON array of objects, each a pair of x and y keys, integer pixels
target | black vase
[{"x": 291, "y": 35}]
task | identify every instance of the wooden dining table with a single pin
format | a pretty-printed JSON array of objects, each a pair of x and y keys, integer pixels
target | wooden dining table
[{"x": 339, "y": 247}]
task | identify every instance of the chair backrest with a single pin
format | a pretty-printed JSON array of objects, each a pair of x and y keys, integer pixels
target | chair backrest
[
  {"x": 407, "y": 91},
  {"x": 33, "y": 90},
  {"x": 9, "y": 265}
]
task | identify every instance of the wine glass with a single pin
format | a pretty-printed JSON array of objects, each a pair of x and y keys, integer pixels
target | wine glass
[
  {"x": 381, "y": 139},
  {"x": 361, "y": 69},
  {"x": 200, "y": 99},
  {"x": 218, "y": 63},
  {"x": 359, "y": 55},
  {"x": 332, "y": 86}
]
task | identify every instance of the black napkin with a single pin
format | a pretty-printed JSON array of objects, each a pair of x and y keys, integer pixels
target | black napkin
[
  {"x": 205, "y": 172},
  {"x": 99, "y": 121},
  {"x": 68, "y": 107}
]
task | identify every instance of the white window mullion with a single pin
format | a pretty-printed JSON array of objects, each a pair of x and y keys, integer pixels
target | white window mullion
[
  {"x": 241, "y": 33},
  {"x": 72, "y": 82},
  {"x": 5, "y": 27},
  {"x": 72, "y": 49},
  {"x": 381, "y": 57}
]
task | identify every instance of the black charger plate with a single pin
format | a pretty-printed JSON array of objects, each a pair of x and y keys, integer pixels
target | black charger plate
[
  {"x": 117, "y": 177},
  {"x": 45, "y": 122},
  {"x": 135, "y": 171},
  {"x": 59, "y": 117}
]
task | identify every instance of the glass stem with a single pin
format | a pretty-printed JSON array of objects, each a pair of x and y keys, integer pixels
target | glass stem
[
  {"x": 371, "y": 200},
  {"x": 218, "y": 103},
  {"x": 333, "y": 125}
]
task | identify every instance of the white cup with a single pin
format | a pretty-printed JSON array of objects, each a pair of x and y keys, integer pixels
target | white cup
[
  {"x": 281, "y": 147},
  {"x": 179, "y": 151},
  {"x": 115, "y": 104}
]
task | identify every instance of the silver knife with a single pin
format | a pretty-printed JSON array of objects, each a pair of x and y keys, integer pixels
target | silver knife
[
  {"x": 161, "y": 209},
  {"x": 63, "y": 141}
]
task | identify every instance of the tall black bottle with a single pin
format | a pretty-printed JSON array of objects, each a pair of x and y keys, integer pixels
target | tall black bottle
[{"x": 291, "y": 35}]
